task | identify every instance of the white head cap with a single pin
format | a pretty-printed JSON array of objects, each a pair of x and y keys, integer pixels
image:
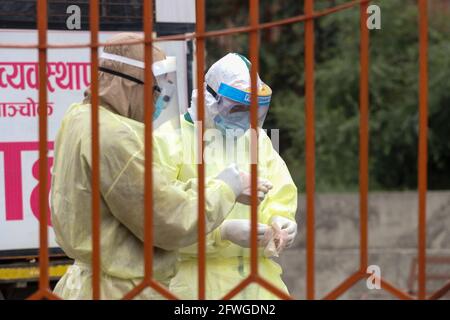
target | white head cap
[{"x": 232, "y": 70}]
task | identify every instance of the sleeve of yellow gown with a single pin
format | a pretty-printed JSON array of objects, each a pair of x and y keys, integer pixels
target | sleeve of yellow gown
[
  {"x": 282, "y": 199},
  {"x": 174, "y": 202}
]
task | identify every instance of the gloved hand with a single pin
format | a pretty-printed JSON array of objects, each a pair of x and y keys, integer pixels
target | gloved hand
[
  {"x": 263, "y": 188},
  {"x": 238, "y": 232},
  {"x": 289, "y": 226},
  {"x": 240, "y": 183}
]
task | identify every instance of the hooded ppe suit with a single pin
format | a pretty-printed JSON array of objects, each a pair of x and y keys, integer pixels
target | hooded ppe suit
[
  {"x": 227, "y": 263},
  {"x": 122, "y": 189}
]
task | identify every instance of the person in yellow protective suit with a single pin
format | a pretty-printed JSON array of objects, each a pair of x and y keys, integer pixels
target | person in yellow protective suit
[
  {"x": 227, "y": 103},
  {"x": 122, "y": 183}
]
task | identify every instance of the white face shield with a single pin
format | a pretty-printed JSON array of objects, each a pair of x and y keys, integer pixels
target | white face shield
[
  {"x": 164, "y": 72},
  {"x": 166, "y": 79}
]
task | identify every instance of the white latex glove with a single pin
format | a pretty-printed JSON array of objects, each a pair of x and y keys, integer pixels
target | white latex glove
[
  {"x": 263, "y": 188},
  {"x": 240, "y": 183},
  {"x": 232, "y": 177},
  {"x": 288, "y": 225},
  {"x": 238, "y": 231}
]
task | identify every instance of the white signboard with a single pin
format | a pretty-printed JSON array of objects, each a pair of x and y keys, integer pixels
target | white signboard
[
  {"x": 175, "y": 11},
  {"x": 68, "y": 77}
]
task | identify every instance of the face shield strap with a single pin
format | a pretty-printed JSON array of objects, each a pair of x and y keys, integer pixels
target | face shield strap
[
  {"x": 126, "y": 76},
  {"x": 161, "y": 67},
  {"x": 163, "y": 72},
  {"x": 120, "y": 74},
  {"x": 122, "y": 59},
  {"x": 211, "y": 90}
]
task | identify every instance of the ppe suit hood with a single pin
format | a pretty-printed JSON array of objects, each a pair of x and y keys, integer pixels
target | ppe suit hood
[
  {"x": 210, "y": 108},
  {"x": 117, "y": 94},
  {"x": 232, "y": 70}
]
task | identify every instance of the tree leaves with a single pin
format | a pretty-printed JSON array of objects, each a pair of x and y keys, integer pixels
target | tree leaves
[{"x": 394, "y": 73}]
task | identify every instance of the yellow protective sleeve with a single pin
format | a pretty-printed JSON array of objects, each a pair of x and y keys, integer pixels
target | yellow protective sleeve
[{"x": 174, "y": 202}]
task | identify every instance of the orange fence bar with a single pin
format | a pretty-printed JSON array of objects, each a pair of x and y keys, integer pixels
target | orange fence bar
[
  {"x": 441, "y": 292},
  {"x": 363, "y": 135},
  {"x": 148, "y": 142},
  {"x": 148, "y": 281},
  {"x": 200, "y": 55},
  {"x": 44, "y": 285},
  {"x": 254, "y": 59},
  {"x": 94, "y": 22},
  {"x": 200, "y": 36},
  {"x": 310, "y": 150},
  {"x": 344, "y": 286},
  {"x": 147, "y": 15},
  {"x": 254, "y": 56},
  {"x": 423, "y": 138},
  {"x": 43, "y": 150},
  {"x": 207, "y": 34},
  {"x": 395, "y": 291}
]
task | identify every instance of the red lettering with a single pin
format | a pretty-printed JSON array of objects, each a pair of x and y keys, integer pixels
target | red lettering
[
  {"x": 34, "y": 199},
  {"x": 13, "y": 175}
]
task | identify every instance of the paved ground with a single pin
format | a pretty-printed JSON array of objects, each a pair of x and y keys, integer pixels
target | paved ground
[{"x": 392, "y": 241}]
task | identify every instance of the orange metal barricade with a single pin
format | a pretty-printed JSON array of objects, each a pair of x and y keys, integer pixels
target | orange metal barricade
[
  {"x": 200, "y": 57},
  {"x": 94, "y": 22},
  {"x": 310, "y": 148},
  {"x": 200, "y": 36}
]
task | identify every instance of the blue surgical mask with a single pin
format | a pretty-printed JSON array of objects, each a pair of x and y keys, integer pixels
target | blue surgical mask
[
  {"x": 235, "y": 123},
  {"x": 164, "y": 98},
  {"x": 159, "y": 107}
]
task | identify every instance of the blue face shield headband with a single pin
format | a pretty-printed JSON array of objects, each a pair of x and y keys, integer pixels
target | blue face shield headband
[{"x": 240, "y": 96}]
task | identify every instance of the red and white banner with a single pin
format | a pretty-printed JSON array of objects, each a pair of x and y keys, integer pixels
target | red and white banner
[{"x": 68, "y": 76}]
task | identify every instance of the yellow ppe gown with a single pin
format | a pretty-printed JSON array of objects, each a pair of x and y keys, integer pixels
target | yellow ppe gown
[
  {"x": 121, "y": 206},
  {"x": 228, "y": 264}
]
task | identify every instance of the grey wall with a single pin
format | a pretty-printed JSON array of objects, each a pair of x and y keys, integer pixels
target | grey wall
[{"x": 393, "y": 220}]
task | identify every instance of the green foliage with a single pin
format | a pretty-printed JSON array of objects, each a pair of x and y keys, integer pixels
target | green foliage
[{"x": 393, "y": 91}]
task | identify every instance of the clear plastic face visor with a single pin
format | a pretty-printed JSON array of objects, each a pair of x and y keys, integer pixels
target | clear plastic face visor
[
  {"x": 164, "y": 71},
  {"x": 165, "y": 86},
  {"x": 234, "y": 108}
]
